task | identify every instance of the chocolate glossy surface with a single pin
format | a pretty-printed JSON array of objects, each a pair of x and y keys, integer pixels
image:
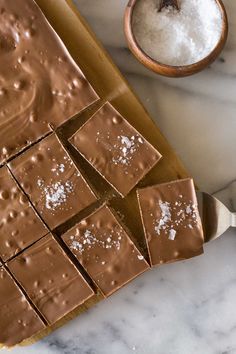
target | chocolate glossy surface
[
  {"x": 40, "y": 84},
  {"x": 105, "y": 250},
  {"x": 115, "y": 149},
  {"x": 171, "y": 221},
  {"x": 20, "y": 226},
  {"x": 18, "y": 319},
  {"x": 50, "y": 279},
  {"x": 51, "y": 180}
]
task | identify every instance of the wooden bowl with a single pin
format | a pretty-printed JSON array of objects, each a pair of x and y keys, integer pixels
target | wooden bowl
[{"x": 169, "y": 70}]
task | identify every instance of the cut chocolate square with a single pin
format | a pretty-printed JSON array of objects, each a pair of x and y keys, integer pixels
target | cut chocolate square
[
  {"x": 115, "y": 149},
  {"x": 20, "y": 226},
  {"x": 171, "y": 221},
  {"x": 18, "y": 321},
  {"x": 53, "y": 183},
  {"x": 105, "y": 250},
  {"x": 50, "y": 279},
  {"x": 40, "y": 85}
]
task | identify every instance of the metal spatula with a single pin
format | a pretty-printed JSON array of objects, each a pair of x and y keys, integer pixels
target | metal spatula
[{"x": 216, "y": 217}]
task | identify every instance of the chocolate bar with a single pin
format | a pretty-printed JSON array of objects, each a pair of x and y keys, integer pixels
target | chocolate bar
[
  {"x": 50, "y": 279},
  {"x": 18, "y": 321},
  {"x": 105, "y": 250},
  {"x": 53, "y": 183},
  {"x": 20, "y": 226},
  {"x": 171, "y": 221},
  {"x": 115, "y": 149},
  {"x": 40, "y": 84}
]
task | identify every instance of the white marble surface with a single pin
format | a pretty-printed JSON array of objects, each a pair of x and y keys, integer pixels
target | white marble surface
[{"x": 187, "y": 307}]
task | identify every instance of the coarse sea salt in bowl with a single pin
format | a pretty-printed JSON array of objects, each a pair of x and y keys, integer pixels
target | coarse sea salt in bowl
[{"x": 176, "y": 43}]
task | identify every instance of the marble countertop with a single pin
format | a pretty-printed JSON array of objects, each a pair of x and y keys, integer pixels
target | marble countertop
[{"x": 187, "y": 307}]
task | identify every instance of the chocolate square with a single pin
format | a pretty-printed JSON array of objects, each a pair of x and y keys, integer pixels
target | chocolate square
[
  {"x": 115, "y": 149},
  {"x": 53, "y": 183},
  {"x": 105, "y": 250},
  {"x": 41, "y": 85},
  {"x": 50, "y": 279},
  {"x": 171, "y": 221},
  {"x": 20, "y": 226},
  {"x": 18, "y": 319}
]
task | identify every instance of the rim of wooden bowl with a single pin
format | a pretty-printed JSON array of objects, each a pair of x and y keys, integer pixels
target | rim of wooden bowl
[{"x": 170, "y": 70}]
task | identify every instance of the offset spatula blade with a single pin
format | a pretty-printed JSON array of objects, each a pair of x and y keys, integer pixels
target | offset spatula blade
[{"x": 216, "y": 217}]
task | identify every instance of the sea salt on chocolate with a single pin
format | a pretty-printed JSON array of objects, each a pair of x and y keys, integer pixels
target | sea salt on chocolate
[
  {"x": 18, "y": 321},
  {"x": 20, "y": 226},
  {"x": 171, "y": 221},
  {"x": 53, "y": 183},
  {"x": 50, "y": 279},
  {"x": 105, "y": 250},
  {"x": 115, "y": 149}
]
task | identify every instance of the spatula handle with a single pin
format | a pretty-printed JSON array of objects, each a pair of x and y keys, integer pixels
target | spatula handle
[{"x": 233, "y": 222}]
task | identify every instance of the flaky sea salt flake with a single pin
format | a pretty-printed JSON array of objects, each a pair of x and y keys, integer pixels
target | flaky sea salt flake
[
  {"x": 140, "y": 257},
  {"x": 172, "y": 234}
]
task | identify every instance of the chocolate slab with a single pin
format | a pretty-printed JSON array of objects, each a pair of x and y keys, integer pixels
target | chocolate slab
[
  {"x": 40, "y": 84},
  {"x": 105, "y": 250},
  {"x": 20, "y": 226},
  {"x": 171, "y": 221},
  {"x": 50, "y": 279},
  {"x": 51, "y": 180},
  {"x": 18, "y": 319},
  {"x": 115, "y": 149}
]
